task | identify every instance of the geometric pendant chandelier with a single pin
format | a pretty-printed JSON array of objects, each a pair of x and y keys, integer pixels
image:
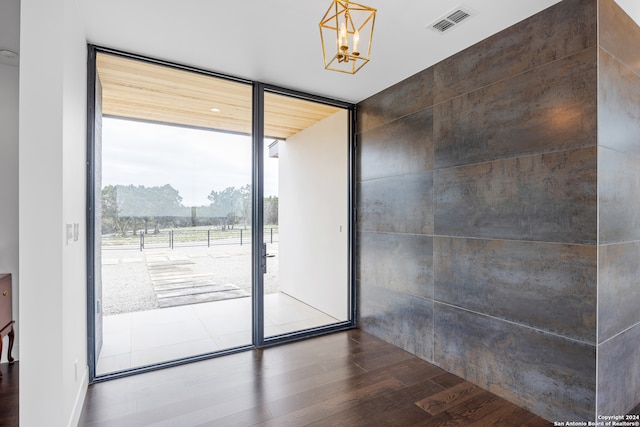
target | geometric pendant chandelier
[{"x": 346, "y": 31}]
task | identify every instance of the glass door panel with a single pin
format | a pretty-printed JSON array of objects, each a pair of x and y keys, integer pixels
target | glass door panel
[
  {"x": 305, "y": 214},
  {"x": 175, "y": 222}
]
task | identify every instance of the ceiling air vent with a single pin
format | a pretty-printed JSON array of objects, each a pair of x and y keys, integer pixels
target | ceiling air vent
[{"x": 451, "y": 19}]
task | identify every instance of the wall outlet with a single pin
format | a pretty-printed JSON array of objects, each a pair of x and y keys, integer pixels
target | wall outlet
[{"x": 69, "y": 233}]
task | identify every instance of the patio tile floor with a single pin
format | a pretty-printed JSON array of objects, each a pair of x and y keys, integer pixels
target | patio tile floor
[{"x": 148, "y": 337}]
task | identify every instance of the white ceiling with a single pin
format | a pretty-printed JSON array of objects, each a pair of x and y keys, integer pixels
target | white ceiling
[{"x": 278, "y": 41}]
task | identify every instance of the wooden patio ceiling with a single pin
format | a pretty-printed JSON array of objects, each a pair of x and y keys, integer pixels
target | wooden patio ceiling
[{"x": 141, "y": 90}]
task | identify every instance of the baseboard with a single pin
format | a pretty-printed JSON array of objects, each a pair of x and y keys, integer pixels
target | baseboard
[{"x": 79, "y": 403}]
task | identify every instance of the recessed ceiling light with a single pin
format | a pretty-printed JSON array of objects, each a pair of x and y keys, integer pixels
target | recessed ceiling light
[
  {"x": 216, "y": 110},
  {"x": 8, "y": 54}
]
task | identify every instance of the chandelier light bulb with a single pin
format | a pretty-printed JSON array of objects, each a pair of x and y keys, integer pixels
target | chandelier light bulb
[
  {"x": 343, "y": 35},
  {"x": 356, "y": 39}
]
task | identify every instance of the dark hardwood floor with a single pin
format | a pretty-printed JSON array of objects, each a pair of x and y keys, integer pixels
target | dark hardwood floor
[
  {"x": 344, "y": 379},
  {"x": 9, "y": 394}
]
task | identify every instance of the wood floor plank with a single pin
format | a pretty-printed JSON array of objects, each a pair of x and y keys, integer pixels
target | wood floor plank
[
  {"x": 401, "y": 416},
  {"x": 449, "y": 398},
  {"x": 286, "y": 386},
  {"x": 413, "y": 371},
  {"x": 517, "y": 416},
  {"x": 447, "y": 380},
  {"x": 370, "y": 361},
  {"x": 339, "y": 402},
  {"x": 506, "y": 415},
  {"x": 340, "y": 389},
  {"x": 249, "y": 417},
  {"x": 386, "y": 409},
  {"x": 468, "y": 411}
]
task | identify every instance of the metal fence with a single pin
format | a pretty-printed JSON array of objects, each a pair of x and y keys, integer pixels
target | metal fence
[{"x": 183, "y": 238}]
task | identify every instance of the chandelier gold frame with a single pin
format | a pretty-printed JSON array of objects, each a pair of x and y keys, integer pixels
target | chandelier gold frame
[{"x": 346, "y": 31}]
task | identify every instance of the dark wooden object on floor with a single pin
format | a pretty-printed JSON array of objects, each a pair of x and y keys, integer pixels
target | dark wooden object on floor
[
  {"x": 6, "y": 315},
  {"x": 343, "y": 379},
  {"x": 9, "y": 394}
]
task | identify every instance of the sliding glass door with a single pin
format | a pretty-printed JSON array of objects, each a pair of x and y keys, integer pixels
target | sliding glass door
[{"x": 219, "y": 212}]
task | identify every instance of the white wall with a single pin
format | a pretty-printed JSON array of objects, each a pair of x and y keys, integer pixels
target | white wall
[
  {"x": 9, "y": 188},
  {"x": 52, "y": 193},
  {"x": 632, "y": 8},
  {"x": 313, "y": 215}
]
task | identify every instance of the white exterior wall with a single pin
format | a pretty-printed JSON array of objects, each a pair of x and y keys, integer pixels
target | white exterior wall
[
  {"x": 9, "y": 189},
  {"x": 313, "y": 215},
  {"x": 52, "y": 147}
]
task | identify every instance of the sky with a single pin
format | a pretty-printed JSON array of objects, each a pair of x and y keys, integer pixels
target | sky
[{"x": 192, "y": 161}]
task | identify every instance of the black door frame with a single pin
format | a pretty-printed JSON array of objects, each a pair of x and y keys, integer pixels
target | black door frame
[{"x": 259, "y": 340}]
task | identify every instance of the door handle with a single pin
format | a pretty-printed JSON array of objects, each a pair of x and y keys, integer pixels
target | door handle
[{"x": 263, "y": 258}]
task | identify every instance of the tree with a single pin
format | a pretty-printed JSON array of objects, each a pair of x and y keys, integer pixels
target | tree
[
  {"x": 110, "y": 219},
  {"x": 113, "y": 220},
  {"x": 271, "y": 210},
  {"x": 132, "y": 206},
  {"x": 230, "y": 205},
  {"x": 162, "y": 203},
  {"x": 246, "y": 203}
]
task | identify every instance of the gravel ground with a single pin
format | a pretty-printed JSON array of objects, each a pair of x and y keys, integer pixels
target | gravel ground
[{"x": 127, "y": 286}]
